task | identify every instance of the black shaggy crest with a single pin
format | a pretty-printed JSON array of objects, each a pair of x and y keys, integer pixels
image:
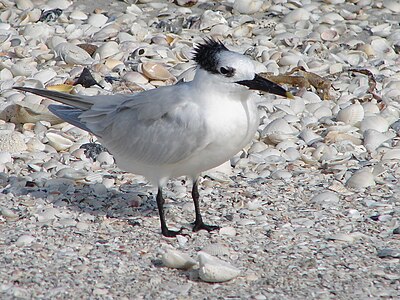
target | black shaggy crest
[{"x": 206, "y": 54}]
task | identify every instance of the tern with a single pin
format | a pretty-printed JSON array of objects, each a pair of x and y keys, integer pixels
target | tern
[{"x": 177, "y": 130}]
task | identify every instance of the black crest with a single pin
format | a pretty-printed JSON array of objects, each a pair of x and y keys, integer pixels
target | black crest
[{"x": 206, "y": 54}]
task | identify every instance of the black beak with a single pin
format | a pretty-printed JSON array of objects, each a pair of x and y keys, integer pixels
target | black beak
[{"x": 261, "y": 84}]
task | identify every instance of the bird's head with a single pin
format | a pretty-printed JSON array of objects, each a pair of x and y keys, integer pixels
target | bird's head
[{"x": 231, "y": 67}]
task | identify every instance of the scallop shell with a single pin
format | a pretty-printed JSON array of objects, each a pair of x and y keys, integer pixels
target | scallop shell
[
  {"x": 352, "y": 114},
  {"x": 216, "y": 249},
  {"x": 361, "y": 179},
  {"x": 172, "y": 258},
  {"x": 212, "y": 269}
]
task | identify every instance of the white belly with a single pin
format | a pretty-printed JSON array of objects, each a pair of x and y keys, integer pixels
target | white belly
[{"x": 231, "y": 127}]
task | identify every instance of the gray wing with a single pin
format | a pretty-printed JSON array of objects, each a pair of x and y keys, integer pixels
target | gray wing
[
  {"x": 150, "y": 127},
  {"x": 158, "y": 126}
]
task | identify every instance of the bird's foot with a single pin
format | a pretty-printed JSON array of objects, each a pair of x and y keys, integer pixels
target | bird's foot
[
  {"x": 172, "y": 233},
  {"x": 200, "y": 225}
]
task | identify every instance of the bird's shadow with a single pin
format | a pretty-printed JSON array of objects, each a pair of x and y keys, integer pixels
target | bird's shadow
[{"x": 130, "y": 202}]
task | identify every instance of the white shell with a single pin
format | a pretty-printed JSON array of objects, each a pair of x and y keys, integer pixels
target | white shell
[
  {"x": 12, "y": 142},
  {"x": 374, "y": 122},
  {"x": 393, "y": 5},
  {"x": 172, "y": 258},
  {"x": 373, "y": 138},
  {"x": 247, "y": 6},
  {"x": 58, "y": 141},
  {"x": 107, "y": 49},
  {"x": 325, "y": 197},
  {"x": 361, "y": 179},
  {"x": 352, "y": 114},
  {"x": 391, "y": 154},
  {"x": 212, "y": 269},
  {"x": 73, "y": 54}
]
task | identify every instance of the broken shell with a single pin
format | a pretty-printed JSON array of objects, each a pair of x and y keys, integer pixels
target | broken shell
[
  {"x": 373, "y": 138},
  {"x": 172, "y": 258},
  {"x": 58, "y": 141},
  {"x": 374, "y": 122},
  {"x": 361, "y": 179},
  {"x": 212, "y": 269},
  {"x": 12, "y": 142}
]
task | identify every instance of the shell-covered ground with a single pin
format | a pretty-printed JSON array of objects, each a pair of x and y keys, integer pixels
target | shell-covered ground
[{"x": 309, "y": 210}]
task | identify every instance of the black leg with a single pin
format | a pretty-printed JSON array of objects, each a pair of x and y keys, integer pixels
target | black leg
[
  {"x": 164, "y": 229},
  {"x": 198, "y": 223}
]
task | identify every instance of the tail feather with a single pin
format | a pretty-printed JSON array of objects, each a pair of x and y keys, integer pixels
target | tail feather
[
  {"x": 70, "y": 115},
  {"x": 78, "y": 101}
]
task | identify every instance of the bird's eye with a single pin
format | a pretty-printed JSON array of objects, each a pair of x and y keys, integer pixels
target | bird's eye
[
  {"x": 227, "y": 71},
  {"x": 224, "y": 70}
]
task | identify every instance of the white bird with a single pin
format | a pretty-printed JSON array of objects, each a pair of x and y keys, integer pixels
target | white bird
[{"x": 177, "y": 130}]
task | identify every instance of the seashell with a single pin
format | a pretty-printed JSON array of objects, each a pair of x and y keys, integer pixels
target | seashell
[
  {"x": 325, "y": 197},
  {"x": 382, "y": 48},
  {"x": 299, "y": 14},
  {"x": 38, "y": 31},
  {"x": 211, "y": 18},
  {"x": 373, "y": 138},
  {"x": 309, "y": 136},
  {"x": 329, "y": 35},
  {"x": 172, "y": 258},
  {"x": 216, "y": 249},
  {"x": 45, "y": 75},
  {"x": 337, "y": 136},
  {"x": 24, "y": 112},
  {"x": 244, "y": 30},
  {"x": 8, "y": 213},
  {"x": 212, "y": 269},
  {"x": 22, "y": 68},
  {"x": 352, "y": 114},
  {"x": 361, "y": 179},
  {"x": 24, "y": 4},
  {"x": 393, "y": 5},
  {"x": 374, "y": 122},
  {"x": 73, "y": 54},
  {"x": 107, "y": 49},
  {"x": 391, "y": 154},
  {"x": 58, "y": 141},
  {"x": 107, "y": 32},
  {"x": 78, "y": 15},
  {"x": 61, "y": 4},
  {"x": 155, "y": 71},
  {"x": 97, "y": 20},
  {"x": 229, "y": 231},
  {"x": 247, "y": 6},
  {"x": 70, "y": 173},
  {"x": 278, "y": 130}
]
